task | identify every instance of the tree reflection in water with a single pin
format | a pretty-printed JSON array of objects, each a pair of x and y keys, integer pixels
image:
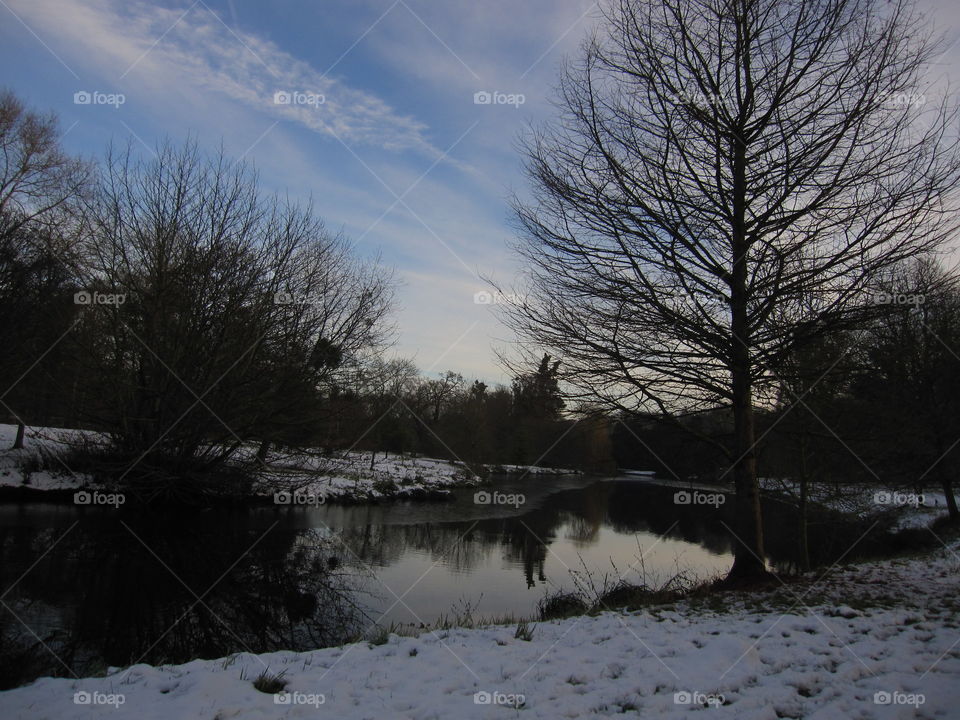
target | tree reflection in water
[
  {"x": 160, "y": 589},
  {"x": 123, "y": 587},
  {"x": 524, "y": 540}
]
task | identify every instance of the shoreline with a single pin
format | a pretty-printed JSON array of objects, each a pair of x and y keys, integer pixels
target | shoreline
[{"x": 836, "y": 653}]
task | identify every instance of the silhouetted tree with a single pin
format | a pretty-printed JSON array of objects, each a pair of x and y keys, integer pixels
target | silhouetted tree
[{"x": 727, "y": 179}]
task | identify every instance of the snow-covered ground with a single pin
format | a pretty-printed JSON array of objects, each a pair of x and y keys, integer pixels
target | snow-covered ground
[
  {"x": 907, "y": 508},
  {"x": 42, "y": 447},
  {"x": 879, "y": 640},
  {"x": 307, "y": 478},
  {"x": 529, "y": 470},
  {"x": 295, "y": 478}
]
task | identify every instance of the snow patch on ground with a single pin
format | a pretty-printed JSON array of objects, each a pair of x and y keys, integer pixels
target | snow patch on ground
[
  {"x": 42, "y": 446},
  {"x": 524, "y": 470},
  {"x": 308, "y": 477}
]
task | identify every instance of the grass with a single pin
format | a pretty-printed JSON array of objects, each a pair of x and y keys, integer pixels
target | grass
[
  {"x": 380, "y": 634},
  {"x": 561, "y": 605},
  {"x": 595, "y": 593},
  {"x": 524, "y": 632},
  {"x": 270, "y": 683}
]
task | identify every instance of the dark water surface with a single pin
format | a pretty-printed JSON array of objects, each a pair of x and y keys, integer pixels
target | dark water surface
[{"x": 86, "y": 588}]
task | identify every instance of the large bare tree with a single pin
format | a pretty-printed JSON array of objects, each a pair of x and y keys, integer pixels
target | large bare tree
[{"x": 725, "y": 180}]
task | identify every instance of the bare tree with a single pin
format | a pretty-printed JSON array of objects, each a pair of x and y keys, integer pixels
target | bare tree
[
  {"x": 39, "y": 181},
  {"x": 442, "y": 392},
  {"x": 214, "y": 314},
  {"x": 725, "y": 180},
  {"x": 911, "y": 387},
  {"x": 40, "y": 190}
]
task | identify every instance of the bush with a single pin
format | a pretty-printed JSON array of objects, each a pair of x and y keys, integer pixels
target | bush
[{"x": 561, "y": 605}]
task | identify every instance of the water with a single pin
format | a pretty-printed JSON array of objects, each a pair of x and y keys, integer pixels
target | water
[{"x": 103, "y": 587}]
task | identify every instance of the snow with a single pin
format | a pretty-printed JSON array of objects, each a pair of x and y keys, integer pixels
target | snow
[
  {"x": 301, "y": 477},
  {"x": 524, "y": 470},
  {"x": 314, "y": 477},
  {"x": 873, "y": 633},
  {"x": 40, "y": 445},
  {"x": 908, "y": 508}
]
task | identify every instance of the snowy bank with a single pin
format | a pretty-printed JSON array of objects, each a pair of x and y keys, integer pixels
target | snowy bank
[
  {"x": 904, "y": 508},
  {"x": 524, "y": 470},
  {"x": 288, "y": 478},
  {"x": 878, "y": 640}
]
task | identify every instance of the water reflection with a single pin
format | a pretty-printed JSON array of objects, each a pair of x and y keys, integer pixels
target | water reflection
[
  {"x": 92, "y": 588},
  {"x": 158, "y": 589}
]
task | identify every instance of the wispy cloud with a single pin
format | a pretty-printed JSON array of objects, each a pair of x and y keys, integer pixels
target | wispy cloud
[{"x": 189, "y": 49}]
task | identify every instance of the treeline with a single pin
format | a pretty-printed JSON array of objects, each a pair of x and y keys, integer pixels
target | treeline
[
  {"x": 875, "y": 403},
  {"x": 196, "y": 321},
  {"x": 170, "y": 303},
  {"x": 394, "y": 408}
]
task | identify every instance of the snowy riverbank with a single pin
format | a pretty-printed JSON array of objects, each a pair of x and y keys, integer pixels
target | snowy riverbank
[
  {"x": 902, "y": 508},
  {"x": 289, "y": 478},
  {"x": 896, "y": 508},
  {"x": 879, "y": 640}
]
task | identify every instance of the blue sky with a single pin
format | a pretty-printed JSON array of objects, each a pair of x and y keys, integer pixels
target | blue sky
[{"x": 398, "y": 155}]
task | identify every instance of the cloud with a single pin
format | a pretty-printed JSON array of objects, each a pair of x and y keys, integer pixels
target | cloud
[{"x": 189, "y": 51}]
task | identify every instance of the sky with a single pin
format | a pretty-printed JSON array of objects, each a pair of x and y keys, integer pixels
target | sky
[{"x": 398, "y": 119}]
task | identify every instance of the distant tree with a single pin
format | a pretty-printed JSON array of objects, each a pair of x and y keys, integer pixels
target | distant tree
[
  {"x": 40, "y": 183},
  {"x": 442, "y": 391},
  {"x": 41, "y": 188},
  {"x": 537, "y": 404},
  {"x": 537, "y": 394},
  {"x": 386, "y": 385},
  {"x": 814, "y": 381},
  {"x": 725, "y": 183},
  {"x": 911, "y": 385}
]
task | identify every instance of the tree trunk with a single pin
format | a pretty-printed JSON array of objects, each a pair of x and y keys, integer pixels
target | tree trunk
[
  {"x": 804, "y": 539},
  {"x": 951, "y": 500},
  {"x": 262, "y": 452},
  {"x": 748, "y": 558},
  {"x": 18, "y": 443},
  {"x": 804, "y": 560},
  {"x": 748, "y": 554}
]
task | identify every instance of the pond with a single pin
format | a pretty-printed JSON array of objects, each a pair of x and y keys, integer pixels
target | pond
[{"x": 87, "y": 588}]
